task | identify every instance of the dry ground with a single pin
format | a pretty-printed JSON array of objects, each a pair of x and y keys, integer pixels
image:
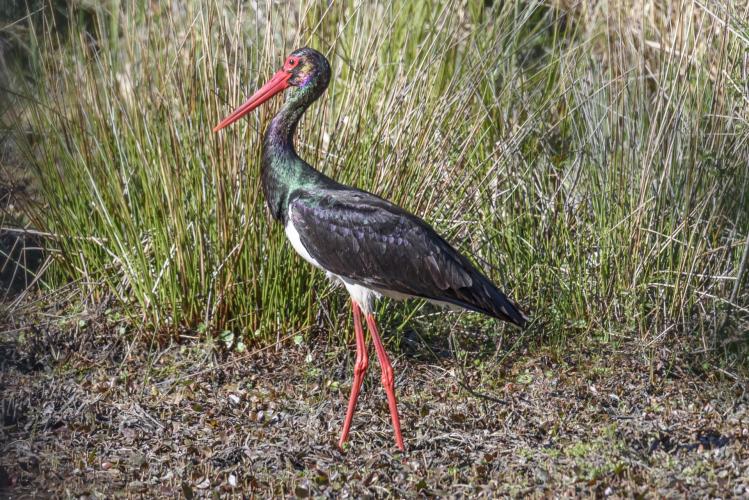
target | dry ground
[{"x": 91, "y": 410}]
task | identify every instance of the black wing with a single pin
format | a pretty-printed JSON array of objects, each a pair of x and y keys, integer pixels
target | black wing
[{"x": 369, "y": 240}]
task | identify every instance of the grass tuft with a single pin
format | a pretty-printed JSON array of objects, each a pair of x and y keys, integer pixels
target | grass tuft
[{"x": 593, "y": 160}]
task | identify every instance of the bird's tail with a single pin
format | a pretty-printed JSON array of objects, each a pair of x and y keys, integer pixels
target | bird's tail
[
  {"x": 486, "y": 298},
  {"x": 505, "y": 309}
]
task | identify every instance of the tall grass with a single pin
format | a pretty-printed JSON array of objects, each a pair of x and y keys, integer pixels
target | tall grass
[{"x": 592, "y": 160}]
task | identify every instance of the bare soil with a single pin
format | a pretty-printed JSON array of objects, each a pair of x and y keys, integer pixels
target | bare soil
[{"x": 90, "y": 409}]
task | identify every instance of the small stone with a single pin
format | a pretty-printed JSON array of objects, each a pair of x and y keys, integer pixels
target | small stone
[
  {"x": 234, "y": 399},
  {"x": 232, "y": 480}
]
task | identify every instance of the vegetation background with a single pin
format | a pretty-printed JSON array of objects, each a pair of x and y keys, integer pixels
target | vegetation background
[{"x": 591, "y": 157}]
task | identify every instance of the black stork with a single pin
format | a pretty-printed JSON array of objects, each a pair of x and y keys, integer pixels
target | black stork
[{"x": 368, "y": 244}]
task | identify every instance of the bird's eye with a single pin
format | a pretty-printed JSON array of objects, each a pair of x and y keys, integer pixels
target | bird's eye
[{"x": 292, "y": 62}]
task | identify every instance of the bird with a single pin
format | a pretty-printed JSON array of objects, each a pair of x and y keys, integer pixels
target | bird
[{"x": 371, "y": 246}]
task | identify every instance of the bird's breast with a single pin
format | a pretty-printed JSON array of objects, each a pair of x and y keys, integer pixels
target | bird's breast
[
  {"x": 362, "y": 294},
  {"x": 293, "y": 235}
]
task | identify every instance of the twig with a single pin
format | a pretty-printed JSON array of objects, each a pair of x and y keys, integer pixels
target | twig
[{"x": 51, "y": 236}]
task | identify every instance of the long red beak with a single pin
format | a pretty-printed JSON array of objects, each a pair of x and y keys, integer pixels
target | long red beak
[{"x": 279, "y": 82}]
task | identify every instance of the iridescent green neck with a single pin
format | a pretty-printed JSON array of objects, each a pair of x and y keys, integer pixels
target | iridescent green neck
[
  {"x": 283, "y": 170},
  {"x": 279, "y": 137}
]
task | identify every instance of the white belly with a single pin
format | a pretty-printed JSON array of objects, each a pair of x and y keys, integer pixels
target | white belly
[{"x": 293, "y": 235}]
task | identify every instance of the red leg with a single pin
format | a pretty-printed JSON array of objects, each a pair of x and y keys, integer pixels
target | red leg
[
  {"x": 388, "y": 381},
  {"x": 360, "y": 366}
]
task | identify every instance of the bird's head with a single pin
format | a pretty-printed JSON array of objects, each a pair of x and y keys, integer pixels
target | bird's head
[{"x": 305, "y": 72}]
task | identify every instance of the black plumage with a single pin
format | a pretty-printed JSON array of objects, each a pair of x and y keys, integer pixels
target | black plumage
[{"x": 370, "y": 241}]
